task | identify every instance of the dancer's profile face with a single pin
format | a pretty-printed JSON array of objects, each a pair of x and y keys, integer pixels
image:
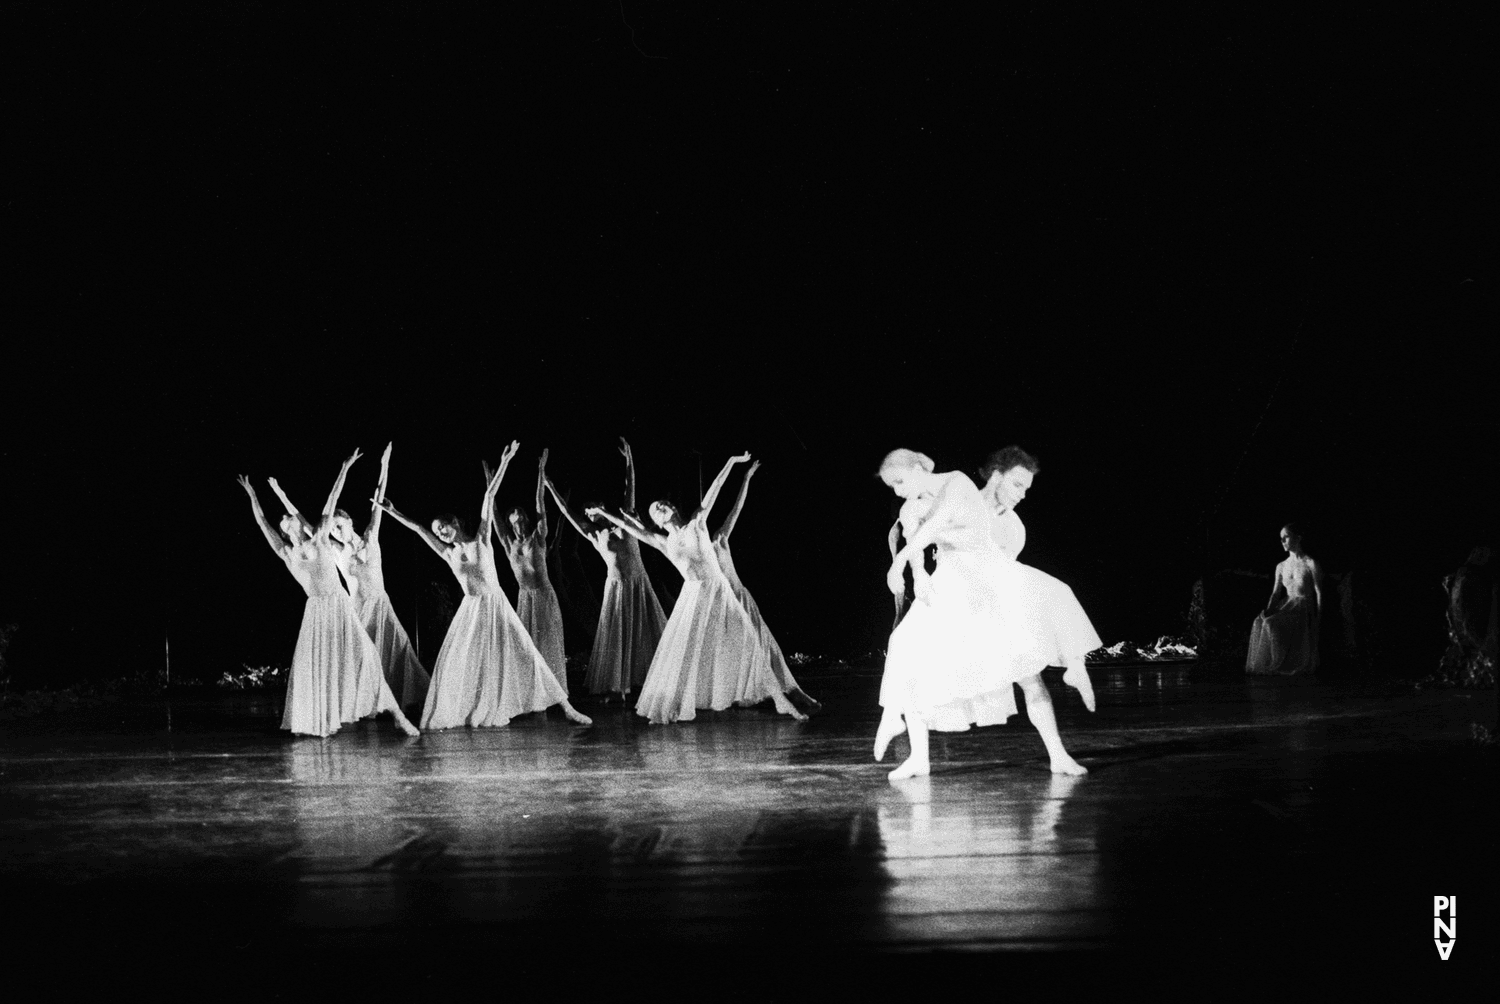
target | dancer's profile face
[
  {"x": 517, "y": 521},
  {"x": 343, "y": 529},
  {"x": 1290, "y": 541},
  {"x": 1011, "y": 487},
  {"x": 291, "y": 528},
  {"x": 444, "y": 532},
  {"x": 902, "y": 481}
]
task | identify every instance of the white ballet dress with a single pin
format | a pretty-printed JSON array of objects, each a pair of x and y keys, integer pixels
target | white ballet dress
[
  {"x": 631, "y": 619},
  {"x": 537, "y": 601},
  {"x": 404, "y": 672},
  {"x": 1052, "y": 613},
  {"x": 769, "y": 649}
]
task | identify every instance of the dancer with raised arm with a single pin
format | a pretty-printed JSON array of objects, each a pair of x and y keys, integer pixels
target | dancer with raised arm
[
  {"x": 630, "y": 617},
  {"x": 360, "y": 561},
  {"x": 767, "y": 640},
  {"x": 336, "y": 677},
  {"x": 952, "y": 660},
  {"x": 702, "y": 659},
  {"x": 488, "y": 670},
  {"x": 526, "y": 548}
]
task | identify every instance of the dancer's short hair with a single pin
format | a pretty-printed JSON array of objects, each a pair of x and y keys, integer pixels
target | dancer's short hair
[
  {"x": 448, "y": 519},
  {"x": 1006, "y": 459},
  {"x": 905, "y": 460},
  {"x": 343, "y": 514}
]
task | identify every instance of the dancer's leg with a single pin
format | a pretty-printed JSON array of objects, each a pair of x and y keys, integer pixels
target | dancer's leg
[
  {"x": 1039, "y": 710},
  {"x": 784, "y": 706},
  {"x": 574, "y": 715},
  {"x": 917, "y": 764},
  {"x": 890, "y": 727},
  {"x": 1077, "y": 677}
]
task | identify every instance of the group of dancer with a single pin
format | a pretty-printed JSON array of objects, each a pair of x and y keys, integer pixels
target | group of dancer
[
  {"x": 980, "y": 624},
  {"x": 353, "y": 656}
]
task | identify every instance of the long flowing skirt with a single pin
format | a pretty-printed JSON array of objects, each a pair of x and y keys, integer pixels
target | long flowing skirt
[
  {"x": 769, "y": 649},
  {"x": 403, "y": 670},
  {"x": 1285, "y": 643},
  {"x": 955, "y": 657},
  {"x": 542, "y": 617},
  {"x": 336, "y": 676},
  {"x": 1055, "y": 618},
  {"x": 631, "y": 622},
  {"x": 488, "y": 670},
  {"x": 702, "y": 659}
]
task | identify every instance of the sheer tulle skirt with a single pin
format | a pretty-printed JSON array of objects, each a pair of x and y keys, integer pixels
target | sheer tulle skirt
[
  {"x": 488, "y": 670},
  {"x": 1055, "y": 618},
  {"x": 1285, "y": 642},
  {"x": 542, "y": 617},
  {"x": 631, "y": 622},
  {"x": 404, "y": 673},
  {"x": 336, "y": 676},
  {"x": 955, "y": 657},
  {"x": 769, "y": 650},
  {"x": 706, "y": 657}
]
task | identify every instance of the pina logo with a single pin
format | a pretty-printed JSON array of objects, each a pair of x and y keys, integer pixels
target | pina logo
[{"x": 1445, "y": 928}]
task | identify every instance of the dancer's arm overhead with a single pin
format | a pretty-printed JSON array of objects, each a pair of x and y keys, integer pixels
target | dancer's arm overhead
[
  {"x": 291, "y": 510},
  {"x": 338, "y": 489},
  {"x": 656, "y": 540},
  {"x": 487, "y": 507},
  {"x": 739, "y": 503},
  {"x": 541, "y": 496},
  {"x": 629, "y": 507},
  {"x": 373, "y": 530},
  {"x": 712, "y": 494},
  {"x": 277, "y": 542},
  {"x": 568, "y": 513},
  {"x": 438, "y": 547}
]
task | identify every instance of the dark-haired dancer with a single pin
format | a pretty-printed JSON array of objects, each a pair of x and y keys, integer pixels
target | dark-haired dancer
[
  {"x": 702, "y": 659},
  {"x": 488, "y": 670},
  {"x": 526, "y": 548},
  {"x": 1284, "y": 637},
  {"x": 336, "y": 675},
  {"x": 630, "y": 617},
  {"x": 952, "y": 660},
  {"x": 1054, "y": 615},
  {"x": 360, "y": 561},
  {"x": 772, "y": 651}
]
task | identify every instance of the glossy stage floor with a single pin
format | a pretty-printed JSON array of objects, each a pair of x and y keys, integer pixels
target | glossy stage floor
[{"x": 1221, "y": 818}]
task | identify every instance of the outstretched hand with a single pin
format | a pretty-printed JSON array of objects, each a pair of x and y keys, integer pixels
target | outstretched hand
[
  {"x": 740, "y": 459},
  {"x": 543, "y": 462},
  {"x": 245, "y": 484},
  {"x": 894, "y": 580},
  {"x": 353, "y": 457},
  {"x": 510, "y": 451},
  {"x": 624, "y": 448},
  {"x": 385, "y": 457},
  {"x": 753, "y": 468}
]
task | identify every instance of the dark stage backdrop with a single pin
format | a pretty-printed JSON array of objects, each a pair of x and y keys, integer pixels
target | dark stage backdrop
[{"x": 1216, "y": 274}]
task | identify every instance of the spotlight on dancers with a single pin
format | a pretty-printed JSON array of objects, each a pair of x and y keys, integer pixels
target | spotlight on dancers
[
  {"x": 336, "y": 676},
  {"x": 710, "y": 654},
  {"x": 488, "y": 670}
]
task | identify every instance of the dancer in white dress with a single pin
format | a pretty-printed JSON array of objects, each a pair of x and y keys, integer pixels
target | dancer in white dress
[
  {"x": 488, "y": 670},
  {"x": 767, "y": 640},
  {"x": 710, "y": 655},
  {"x": 631, "y": 619},
  {"x": 952, "y": 660},
  {"x": 1053, "y": 613},
  {"x": 360, "y": 561},
  {"x": 336, "y": 677},
  {"x": 1284, "y": 637},
  {"x": 526, "y": 548}
]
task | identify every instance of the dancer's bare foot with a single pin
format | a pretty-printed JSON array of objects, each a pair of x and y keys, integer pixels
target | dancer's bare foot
[
  {"x": 575, "y": 716},
  {"x": 799, "y": 696},
  {"x": 891, "y": 726},
  {"x": 1067, "y": 765},
  {"x": 405, "y": 724},
  {"x": 1077, "y": 677},
  {"x": 911, "y": 768},
  {"x": 785, "y": 707}
]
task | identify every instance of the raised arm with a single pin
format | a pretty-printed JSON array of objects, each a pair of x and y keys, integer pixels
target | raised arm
[
  {"x": 656, "y": 540},
  {"x": 338, "y": 486},
  {"x": 629, "y": 476},
  {"x": 541, "y": 495},
  {"x": 712, "y": 495},
  {"x": 739, "y": 503},
  {"x": 487, "y": 507},
  {"x": 373, "y": 530},
  {"x": 273, "y": 538},
  {"x": 438, "y": 547},
  {"x": 291, "y": 510},
  {"x": 563, "y": 505}
]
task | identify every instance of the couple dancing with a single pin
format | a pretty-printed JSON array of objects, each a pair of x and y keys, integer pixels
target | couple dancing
[{"x": 983, "y": 620}]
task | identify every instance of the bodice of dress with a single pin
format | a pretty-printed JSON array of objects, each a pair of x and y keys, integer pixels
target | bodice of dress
[
  {"x": 1296, "y": 578},
  {"x": 1008, "y": 532},
  {"x": 692, "y": 552},
  {"x": 361, "y": 566},
  {"x": 621, "y": 553},
  {"x": 314, "y": 564},
  {"x": 528, "y": 560},
  {"x": 967, "y": 526},
  {"x": 726, "y": 562},
  {"x": 473, "y": 564}
]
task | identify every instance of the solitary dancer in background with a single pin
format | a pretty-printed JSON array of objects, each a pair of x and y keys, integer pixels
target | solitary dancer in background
[
  {"x": 336, "y": 676},
  {"x": 1284, "y": 637}
]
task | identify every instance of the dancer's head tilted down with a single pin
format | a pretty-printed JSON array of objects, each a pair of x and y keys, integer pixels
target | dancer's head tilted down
[
  {"x": 909, "y": 473},
  {"x": 1007, "y": 476}
]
